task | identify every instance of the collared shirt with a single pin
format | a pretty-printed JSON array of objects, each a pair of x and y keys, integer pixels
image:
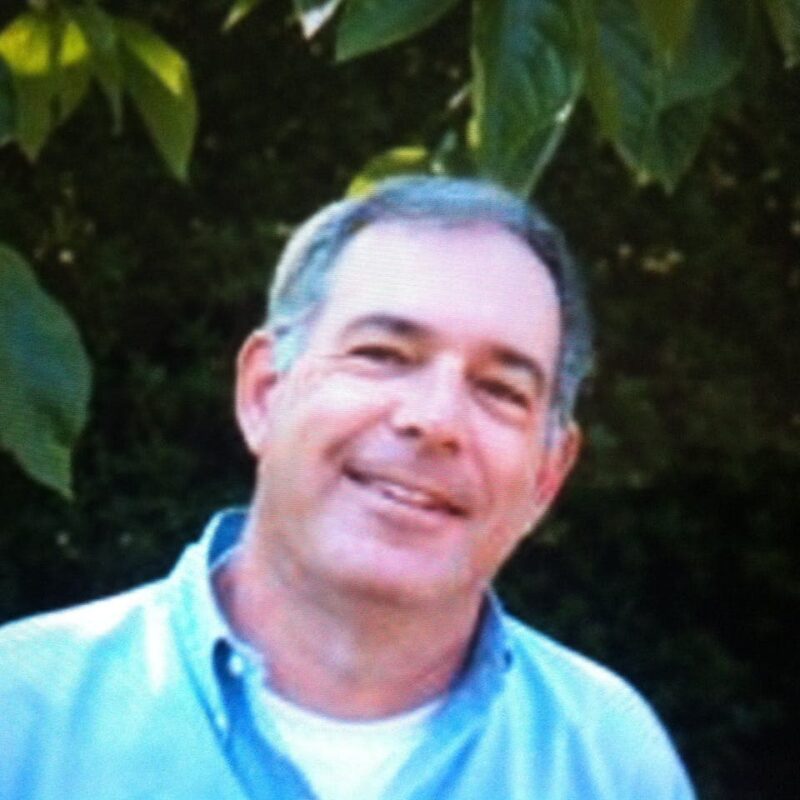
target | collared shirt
[{"x": 148, "y": 695}]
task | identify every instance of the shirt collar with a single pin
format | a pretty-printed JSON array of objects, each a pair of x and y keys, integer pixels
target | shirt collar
[{"x": 204, "y": 636}]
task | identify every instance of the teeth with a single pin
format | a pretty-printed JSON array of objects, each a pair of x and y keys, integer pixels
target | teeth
[
  {"x": 399, "y": 493},
  {"x": 405, "y": 495}
]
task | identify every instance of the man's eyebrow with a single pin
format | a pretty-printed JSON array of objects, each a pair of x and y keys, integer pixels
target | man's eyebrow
[
  {"x": 389, "y": 323},
  {"x": 517, "y": 361},
  {"x": 400, "y": 326}
]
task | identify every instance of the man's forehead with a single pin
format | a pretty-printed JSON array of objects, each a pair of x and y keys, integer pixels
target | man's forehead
[
  {"x": 407, "y": 256},
  {"x": 476, "y": 283}
]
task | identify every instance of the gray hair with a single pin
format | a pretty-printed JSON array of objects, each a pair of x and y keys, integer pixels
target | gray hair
[{"x": 302, "y": 276}]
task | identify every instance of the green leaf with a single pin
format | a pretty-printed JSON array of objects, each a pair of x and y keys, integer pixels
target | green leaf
[
  {"x": 44, "y": 377},
  {"x": 600, "y": 85},
  {"x": 315, "y": 14},
  {"x": 6, "y": 104},
  {"x": 104, "y": 58},
  {"x": 239, "y": 10},
  {"x": 28, "y": 47},
  {"x": 397, "y": 161},
  {"x": 368, "y": 25},
  {"x": 528, "y": 74},
  {"x": 48, "y": 58},
  {"x": 666, "y": 108},
  {"x": 667, "y": 22},
  {"x": 158, "y": 78},
  {"x": 785, "y": 18},
  {"x": 72, "y": 67}
]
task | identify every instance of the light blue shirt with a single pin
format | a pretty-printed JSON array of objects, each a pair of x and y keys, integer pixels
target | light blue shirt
[{"x": 148, "y": 695}]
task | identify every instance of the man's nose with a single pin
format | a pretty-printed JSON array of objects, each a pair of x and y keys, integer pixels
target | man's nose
[{"x": 432, "y": 408}]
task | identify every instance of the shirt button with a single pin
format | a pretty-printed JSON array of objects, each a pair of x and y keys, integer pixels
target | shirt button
[
  {"x": 221, "y": 721},
  {"x": 236, "y": 665}
]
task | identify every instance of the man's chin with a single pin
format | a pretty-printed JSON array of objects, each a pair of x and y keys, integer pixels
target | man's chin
[{"x": 406, "y": 586}]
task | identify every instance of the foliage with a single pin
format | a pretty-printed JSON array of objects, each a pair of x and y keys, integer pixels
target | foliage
[
  {"x": 667, "y": 100},
  {"x": 157, "y": 78},
  {"x": 239, "y": 10},
  {"x": 668, "y": 24},
  {"x": 54, "y": 51},
  {"x": 653, "y": 71},
  {"x": 43, "y": 399},
  {"x": 527, "y": 79},
  {"x": 48, "y": 58},
  {"x": 366, "y": 26},
  {"x": 392, "y": 162}
]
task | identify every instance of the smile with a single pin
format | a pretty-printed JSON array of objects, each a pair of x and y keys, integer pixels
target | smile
[{"x": 407, "y": 494}]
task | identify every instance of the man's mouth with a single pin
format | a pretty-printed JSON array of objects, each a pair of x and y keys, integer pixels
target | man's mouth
[{"x": 406, "y": 493}]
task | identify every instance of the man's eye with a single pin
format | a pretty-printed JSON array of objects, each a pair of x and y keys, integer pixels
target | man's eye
[
  {"x": 505, "y": 392},
  {"x": 382, "y": 354}
]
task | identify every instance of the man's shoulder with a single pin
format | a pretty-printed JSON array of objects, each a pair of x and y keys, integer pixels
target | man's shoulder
[
  {"x": 614, "y": 734},
  {"x": 65, "y": 640},
  {"x": 540, "y": 651},
  {"x": 582, "y": 692},
  {"x": 99, "y": 694}
]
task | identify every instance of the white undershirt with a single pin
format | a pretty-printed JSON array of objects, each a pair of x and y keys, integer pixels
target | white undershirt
[{"x": 342, "y": 759}]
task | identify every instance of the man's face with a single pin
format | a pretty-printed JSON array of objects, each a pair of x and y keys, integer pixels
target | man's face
[{"x": 403, "y": 453}]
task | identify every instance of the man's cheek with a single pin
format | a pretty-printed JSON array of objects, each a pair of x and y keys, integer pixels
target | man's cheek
[{"x": 346, "y": 394}]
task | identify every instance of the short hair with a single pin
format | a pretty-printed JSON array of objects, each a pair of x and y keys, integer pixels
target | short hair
[{"x": 302, "y": 276}]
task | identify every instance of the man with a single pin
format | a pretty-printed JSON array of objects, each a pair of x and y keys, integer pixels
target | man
[{"x": 409, "y": 408}]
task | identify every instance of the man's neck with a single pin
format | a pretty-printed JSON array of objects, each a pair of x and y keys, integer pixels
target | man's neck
[{"x": 351, "y": 657}]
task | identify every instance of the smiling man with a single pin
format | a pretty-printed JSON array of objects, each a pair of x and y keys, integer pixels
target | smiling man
[{"x": 409, "y": 408}]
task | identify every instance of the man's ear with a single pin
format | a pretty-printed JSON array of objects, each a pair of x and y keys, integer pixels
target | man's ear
[
  {"x": 559, "y": 457},
  {"x": 256, "y": 377}
]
